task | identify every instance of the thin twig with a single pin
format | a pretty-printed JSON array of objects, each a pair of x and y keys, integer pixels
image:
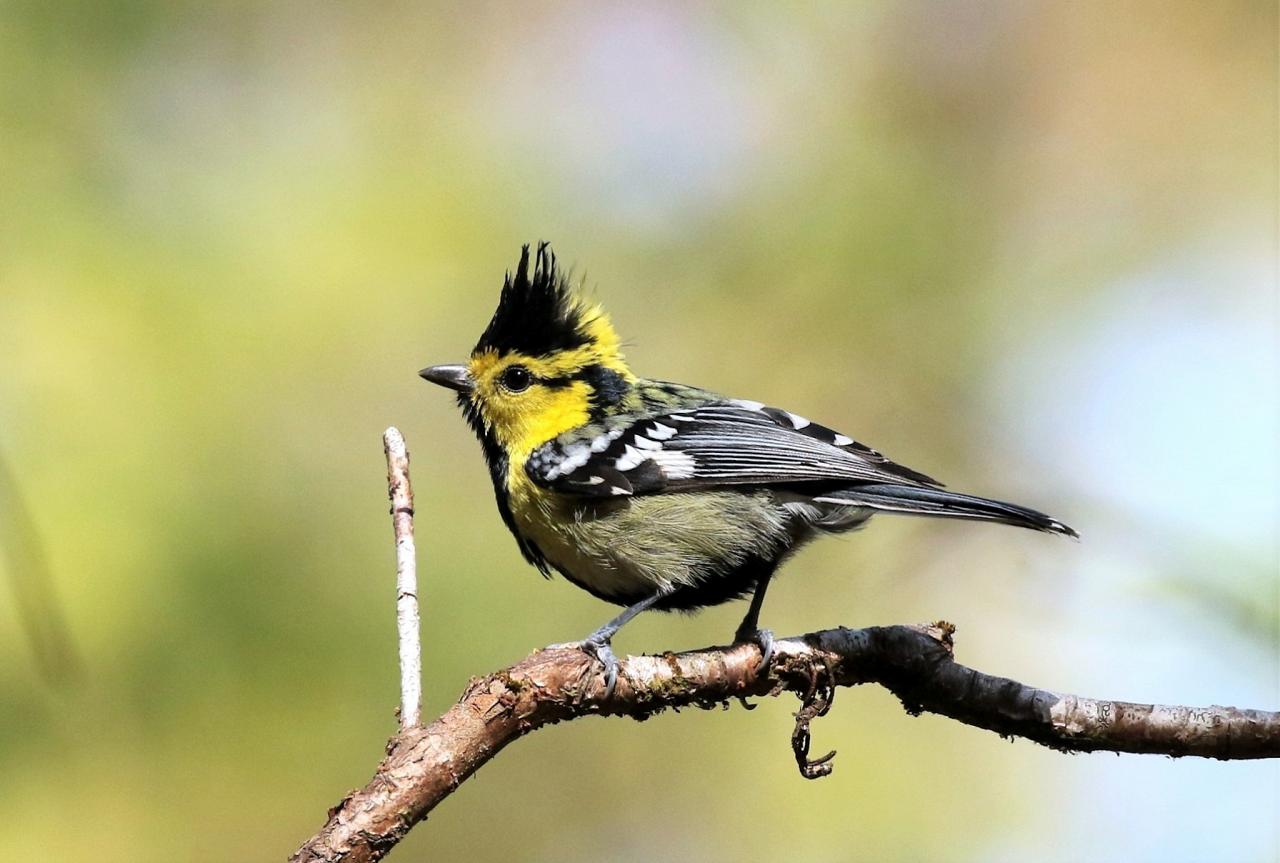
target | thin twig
[{"x": 400, "y": 490}]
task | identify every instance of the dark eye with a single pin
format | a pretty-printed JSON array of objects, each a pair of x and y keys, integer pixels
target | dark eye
[{"x": 517, "y": 379}]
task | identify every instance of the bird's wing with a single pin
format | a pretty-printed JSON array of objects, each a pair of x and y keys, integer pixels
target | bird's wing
[{"x": 723, "y": 443}]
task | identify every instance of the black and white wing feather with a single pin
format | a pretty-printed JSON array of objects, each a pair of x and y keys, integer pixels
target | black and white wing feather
[{"x": 722, "y": 443}]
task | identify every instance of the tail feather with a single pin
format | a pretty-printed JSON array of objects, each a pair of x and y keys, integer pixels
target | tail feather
[{"x": 916, "y": 500}]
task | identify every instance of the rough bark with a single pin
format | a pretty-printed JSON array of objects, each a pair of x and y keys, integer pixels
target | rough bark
[{"x": 425, "y": 764}]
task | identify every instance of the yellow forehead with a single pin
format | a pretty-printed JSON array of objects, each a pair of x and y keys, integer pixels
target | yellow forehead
[{"x": 602, "y": 348}]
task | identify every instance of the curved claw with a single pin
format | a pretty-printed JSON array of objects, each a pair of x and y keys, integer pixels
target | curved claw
[
  {"x": 604, "y": 655},
  {"x": 763, "y": 638}
]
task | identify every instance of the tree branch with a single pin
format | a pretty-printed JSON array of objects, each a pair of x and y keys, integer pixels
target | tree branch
[{"x": 424, "y": 765}]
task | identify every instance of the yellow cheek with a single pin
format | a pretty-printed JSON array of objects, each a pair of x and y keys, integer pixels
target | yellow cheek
[
  {"x": 524, "y": 425},
  {"x": 522, "y": 422},
  {"x": 564, "y": 408}
]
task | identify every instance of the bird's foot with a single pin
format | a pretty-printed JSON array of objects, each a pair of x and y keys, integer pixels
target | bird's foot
[
  {"x": 599, "y": 650},
  {"x": 761, "y": 637}
]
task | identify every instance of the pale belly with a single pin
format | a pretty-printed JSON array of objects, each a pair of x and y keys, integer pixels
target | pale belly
[{"x": 625, "y": 550}]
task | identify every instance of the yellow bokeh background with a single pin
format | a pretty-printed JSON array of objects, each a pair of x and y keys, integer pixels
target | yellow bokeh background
[{"x": 1029, "y": 248}]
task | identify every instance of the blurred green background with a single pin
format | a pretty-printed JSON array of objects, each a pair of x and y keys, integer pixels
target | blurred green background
[{"x": 1027, "y": 247}]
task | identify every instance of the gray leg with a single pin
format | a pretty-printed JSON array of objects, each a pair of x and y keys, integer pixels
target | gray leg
[
  {"x": 597, "y": 643},
  {"x": 605, "y": 634},
  {"x": 749, "y": 629}
]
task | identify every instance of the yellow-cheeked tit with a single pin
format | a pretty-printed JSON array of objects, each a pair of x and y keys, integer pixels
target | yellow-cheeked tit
[{"x": 650, "y": 494}]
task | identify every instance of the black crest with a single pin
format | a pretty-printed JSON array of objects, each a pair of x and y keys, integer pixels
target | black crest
[{"x": 538, "y": 315}]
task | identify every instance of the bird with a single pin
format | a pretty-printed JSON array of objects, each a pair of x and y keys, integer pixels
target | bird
[{"x": 651, "y": 494}]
